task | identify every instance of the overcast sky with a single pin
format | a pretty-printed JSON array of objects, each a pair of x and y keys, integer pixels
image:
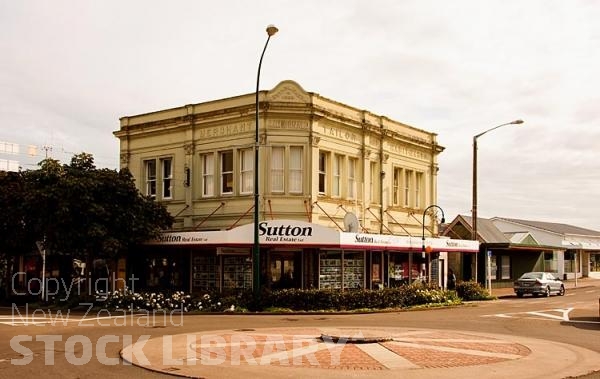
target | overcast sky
[{"x": 70, "y": 69}]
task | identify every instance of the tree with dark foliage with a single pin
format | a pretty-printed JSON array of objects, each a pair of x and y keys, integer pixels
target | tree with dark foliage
[{"x": 76, "y": 210}]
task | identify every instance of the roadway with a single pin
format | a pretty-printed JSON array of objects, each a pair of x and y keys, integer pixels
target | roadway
[{"x": 489, "y": 339}]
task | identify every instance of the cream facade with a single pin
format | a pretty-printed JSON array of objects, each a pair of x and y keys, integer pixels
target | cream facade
[
  {"x": 320, "y": 162},
  {"x": 319, "y": 159}
]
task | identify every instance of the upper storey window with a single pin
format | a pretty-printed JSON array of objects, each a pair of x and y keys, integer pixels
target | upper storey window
[
  {"x": 208, "y": 175},
  {"x": 167, "y": 177},
  {"x": 247, "y": 171},
  {"x": 323, "y": 162},
  {"x": 226, "y": 172},
  {"x": 150, "y": 173}
]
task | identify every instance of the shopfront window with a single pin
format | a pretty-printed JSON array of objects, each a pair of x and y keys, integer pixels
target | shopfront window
[
  {"x": 595, "y": 262},
  {"x": 164, "y": 272},
  {"x": 205, "y": 271},
  {"x": 237, "y": 272},
  {"x": 550, "y": 261},
  {"x": 493, "y": 267},
  {"x": 354, "y": 270},
  {"x": 505, "y": 268},
  {"x": 330, "y": 270},
  {"x": 398, "y": 269},
  {"x": 570, "y": 264}
]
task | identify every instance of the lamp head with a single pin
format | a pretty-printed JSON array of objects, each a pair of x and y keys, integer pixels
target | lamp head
[
  {"x": 517, "y": 122},
  {"x": 443, "y": 220},
  {"x": 272, "y": 29}
]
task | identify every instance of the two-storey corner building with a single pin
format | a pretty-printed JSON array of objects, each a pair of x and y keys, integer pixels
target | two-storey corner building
[{"x": 356, "y": 180}]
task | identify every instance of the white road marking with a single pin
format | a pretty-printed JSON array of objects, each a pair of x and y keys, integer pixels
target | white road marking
[
  {"x": 564, "y": 317},
  {"x": 541, "y": 315},
  {"x": 386, "y": 357}
]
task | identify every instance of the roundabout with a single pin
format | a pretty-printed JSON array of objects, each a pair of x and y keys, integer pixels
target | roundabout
[{"x": 353, "y": 351}]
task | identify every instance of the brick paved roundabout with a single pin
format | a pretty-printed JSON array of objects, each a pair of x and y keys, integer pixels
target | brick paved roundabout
[{"x": 353, "y": 352}]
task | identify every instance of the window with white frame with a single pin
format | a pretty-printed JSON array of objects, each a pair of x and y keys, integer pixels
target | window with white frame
[
  {"x": 418, "y": 189},
  {"x": 208, "y": 175},
  {"x": 150, "y": 174},
  {"x": 167, "y": 177},
  {"x": 375, "y": 178},
  {"x": 323, "y": 172},
  {"x": 246, "y": 171},
  {"x": 295, "y": 165},
  {"x": 494, "y": 267},
  {"x": 352, "y": 178},
  {"x": 396, "y": 194},
  {"x": 277, "y": 169},
  {"x": 407, "y": 185},
  {"x": 505, "y": 270},
  {"x": 226, "y": 158},
  {"x": 337, "y": 175}
]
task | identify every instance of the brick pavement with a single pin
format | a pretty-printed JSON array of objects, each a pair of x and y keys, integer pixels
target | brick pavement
[{"x": 302, "y": 352}]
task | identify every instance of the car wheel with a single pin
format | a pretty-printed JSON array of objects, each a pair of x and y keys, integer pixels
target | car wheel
[
  {"x": 562, "y": 291},
  {"x": 519, "y": 294},
  {"x": 547, "y": 293}
]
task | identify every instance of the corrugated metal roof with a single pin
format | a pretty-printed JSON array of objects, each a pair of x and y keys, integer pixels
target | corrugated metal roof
[{"x": 552, "y": 227}]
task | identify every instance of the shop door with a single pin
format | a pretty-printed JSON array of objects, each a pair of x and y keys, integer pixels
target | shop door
[{"x": 283, "y": 272}]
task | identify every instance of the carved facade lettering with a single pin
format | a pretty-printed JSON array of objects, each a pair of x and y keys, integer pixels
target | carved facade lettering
[
  {"x": 288, "y": 124},
  {"x": 408, "y": 152},
  {"x": 226, "y": 130},
  {"x": 340, "y": 133}
]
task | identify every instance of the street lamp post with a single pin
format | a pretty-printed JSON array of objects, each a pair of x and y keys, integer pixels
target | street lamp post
[
  {"x": 271, "y": 30},
  {"x": 474, "y": 205},
  {"x": 423, "y": 238}
]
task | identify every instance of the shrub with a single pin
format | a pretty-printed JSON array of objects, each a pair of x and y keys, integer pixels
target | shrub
[
  {"x": 472, "y": 291},
  {"x": 285, "y": 299}
]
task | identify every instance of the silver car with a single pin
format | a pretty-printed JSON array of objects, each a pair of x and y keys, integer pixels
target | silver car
[{"x": 539, "y": 283}]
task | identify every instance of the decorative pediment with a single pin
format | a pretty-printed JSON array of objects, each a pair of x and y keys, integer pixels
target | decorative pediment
[{"x": 288, "y": 91}]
